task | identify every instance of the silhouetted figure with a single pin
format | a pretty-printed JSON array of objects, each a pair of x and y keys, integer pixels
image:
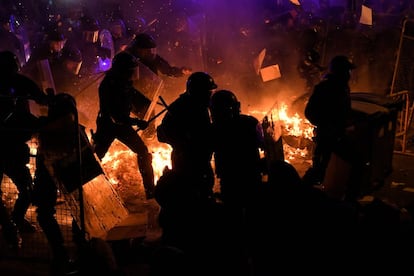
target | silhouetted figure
[
  {"x": 17, "y": 127},
  {"x": 144, "y": 47},
  {"x": 96, "y": 58},
  {"x": 329, "y": 110},
  {"x": 238, "y": 139},
  {"x": 188, "y": 215},
  {"x": 49, "y": 49},
  {"x": 120, "y": 37},
  {"x": 114, "y": 121},
  {"x": 57, "y": 137},
  {"x": 66, "y": 70},
  {"x": 187, "y": 128}
]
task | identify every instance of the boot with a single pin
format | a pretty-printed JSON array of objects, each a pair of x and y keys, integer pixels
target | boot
[{"x": 147, "y": 174}]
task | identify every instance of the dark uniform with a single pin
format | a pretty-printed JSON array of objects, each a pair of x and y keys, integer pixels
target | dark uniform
[
  {"x": 114, "y": 121},
  {"x": 66, "y": 71},
  {"x": 187, "y": 128},
  {"x": 143, "y": 47},
  {"x": 185, "y": 192},
  {"x": 238, "y": 139},
  {"x": 87, "y": 41},
  {"x": 329, "y": 110},
  {"x": 17, "y": 127},
  {"x": 57, "y": 137},
  {"x": 51, "y": 50}
]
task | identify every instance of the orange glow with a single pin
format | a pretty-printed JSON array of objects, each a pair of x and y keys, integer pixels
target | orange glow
[{"x": 299, "y": 129}]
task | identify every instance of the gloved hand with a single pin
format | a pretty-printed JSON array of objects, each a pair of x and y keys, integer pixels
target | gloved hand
[{"x": 142, "y": 124}]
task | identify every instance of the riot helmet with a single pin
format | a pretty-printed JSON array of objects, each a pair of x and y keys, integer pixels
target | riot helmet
[
  {"x": 62, "y": 104},
  {"x": 199, "y": 88},
  {"x": 224, "y": 105},
  {"x": 200, "y": 81},
  {"x": 56, "y": 40},
  {"x": 341, "y": 64},
  {"x": 55, "y": 35},
  {"x": 72, "y": 59},
  {"x": 90, "y": 29},
  {"x": 143, "y": 41},
  {"x": 125, "y": 63},
  {"x": 143, "y": 46}
]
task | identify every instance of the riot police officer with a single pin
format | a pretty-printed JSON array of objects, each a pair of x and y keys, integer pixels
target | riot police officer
[
  {"x": 114, "y": 121},
  {"x": 144, "y": 47},
  {"x": 187, "y": 128},
  {"x": 329, "y": 109},
  {"x": 17, "y": 127},
  {"x": 238, "y": 139}
]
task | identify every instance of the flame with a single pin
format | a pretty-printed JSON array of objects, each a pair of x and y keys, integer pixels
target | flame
[
  {"x": 293, "y": 125},
  {"x": 288, "y": 125},
  {"x": 120, "y": 164},
  {"x": 118, "y": 154},
  {"x": 161, "y": 158}
]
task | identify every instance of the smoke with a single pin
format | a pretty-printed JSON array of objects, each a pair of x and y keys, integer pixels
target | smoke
[{"x": 224, "y": 38}]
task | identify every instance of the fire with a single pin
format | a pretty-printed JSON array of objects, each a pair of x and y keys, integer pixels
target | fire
[
  {"x": 114, "y": 162},
  {"x": 160, "y": 158},
  {"x": 121, "y": 167},
  {"x": 294, "y": 125},
  {"x": 296, "y": 131}
]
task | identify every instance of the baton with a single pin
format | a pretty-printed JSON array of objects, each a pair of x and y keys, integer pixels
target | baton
[{"x": 159, "y": 113}]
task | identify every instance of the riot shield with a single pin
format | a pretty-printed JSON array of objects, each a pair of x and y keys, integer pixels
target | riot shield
[
  {"x": 87, "y": 99},
  {"x": 46, "y": 78},
  {"x": 149, "y": 86}
]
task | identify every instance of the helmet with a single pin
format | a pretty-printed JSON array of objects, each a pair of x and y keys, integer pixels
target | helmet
[
  {"x": 90, "y": 29},
  {"x": 89, "y": 24},
  {"x": 143, "y": 41},
  {"x": 72, "y": 58},
  {"x": 341, "y": 64},
  {"x": 72, "y": 53},
  {"x": 9, "y": 62},
  {"x": 200, "y": 81},
  {"x": 224, "y": 105},
  {"x": 62, "y": 104},
  {"x": 124, "y": 61}
]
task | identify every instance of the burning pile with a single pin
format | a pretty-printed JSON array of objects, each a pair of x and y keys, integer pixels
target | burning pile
[{"x": 120, "y": 163}]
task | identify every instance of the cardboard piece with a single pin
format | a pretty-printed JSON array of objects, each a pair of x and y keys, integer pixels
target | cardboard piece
[
  {"x": 366, "y": 16},
  {"x": 270, "y": 72}
]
